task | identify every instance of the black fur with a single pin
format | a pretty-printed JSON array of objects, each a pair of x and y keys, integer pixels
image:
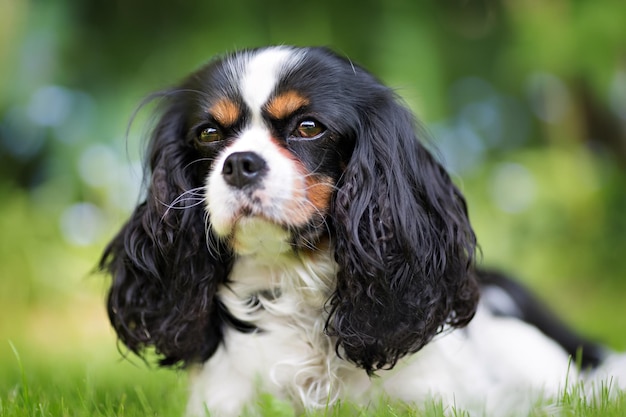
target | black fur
[
  {"x": 404, "y": 243},
  {"x": 533, "y": 311},
  {"x": 165, "y": 268},
  {"x": 400, "y": 230}
]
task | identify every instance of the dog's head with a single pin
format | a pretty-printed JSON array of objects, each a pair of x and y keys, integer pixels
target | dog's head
[{"x": 291, "y": 150}]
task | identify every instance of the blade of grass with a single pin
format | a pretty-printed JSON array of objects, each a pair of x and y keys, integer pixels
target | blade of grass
[{"x": 25, "y": 394}]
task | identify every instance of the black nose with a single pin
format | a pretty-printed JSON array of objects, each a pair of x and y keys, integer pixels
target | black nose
[{"x": 243, "y": 168}]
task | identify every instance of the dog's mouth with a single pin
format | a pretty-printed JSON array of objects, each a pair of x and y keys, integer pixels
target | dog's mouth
[
  {"x": 236, "y": 206},
  {"x": 249, "y": 211},
  {"x": 246, "y": 221},
  {"x": 253, "y": 208},
  {"x": 252, "y": 229},
  {"x": 282, "y": 216}
]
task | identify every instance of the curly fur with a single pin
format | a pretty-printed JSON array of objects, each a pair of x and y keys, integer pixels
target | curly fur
[
  {"x": 166, "y": 269},
  {"x": 341, "y": 252},
  {"x": 401, "y": 235},
  {"x": 403, "y": 242}
]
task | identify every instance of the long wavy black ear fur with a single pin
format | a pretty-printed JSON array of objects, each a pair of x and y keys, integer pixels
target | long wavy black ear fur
[
  {"x": 404, "y": 244},
  {"x": 165, "y": 268}
]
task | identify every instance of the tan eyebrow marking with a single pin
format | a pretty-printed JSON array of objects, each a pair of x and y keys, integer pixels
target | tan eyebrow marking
[
  {"x": 225, "y": 112},
  {"x": 286, "y": 104}
]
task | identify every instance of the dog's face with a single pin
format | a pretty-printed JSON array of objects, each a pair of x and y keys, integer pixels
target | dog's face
[
  {"x": 291, "y": 151},
  {"x": 276, "y": 145}
]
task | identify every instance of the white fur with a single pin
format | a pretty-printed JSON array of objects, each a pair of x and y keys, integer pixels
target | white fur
[
  {"x": 283, "y": 193},
  {"x": 270, "y": 201},
  {"x": 291, "y": 357},
  {"x": 499, "y": 300},
  {"x": 261, "y": 76},
  {"x": 496, "y": 365},
  {"x": 612, "y": 372}
]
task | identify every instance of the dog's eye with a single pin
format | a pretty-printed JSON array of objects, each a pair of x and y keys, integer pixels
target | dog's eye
[
  {"x": 208, "y": 135},
  {"x": 309, "y": 129}
]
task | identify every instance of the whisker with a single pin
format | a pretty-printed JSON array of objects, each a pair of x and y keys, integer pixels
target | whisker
[
  {"x": 210, "y": 245},
  {"x": 197, "y": 161},
  {"x": 314, "y": 171},
  {"x": 301, "y": 207},
  {"x": 195, "y": 195},
  {"x": 197, "y": 200},
  {"x": 334, "y": 187}
]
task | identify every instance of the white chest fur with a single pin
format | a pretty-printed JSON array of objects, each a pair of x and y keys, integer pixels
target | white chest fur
[
  {"x": 494, "y": 365},
  {"x": 290, "y": 356}
]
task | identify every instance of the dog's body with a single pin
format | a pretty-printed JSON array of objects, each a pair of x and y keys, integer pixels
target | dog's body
[
  {"x": 297, "y": 238},
  {"x": 496, "y": 364}
]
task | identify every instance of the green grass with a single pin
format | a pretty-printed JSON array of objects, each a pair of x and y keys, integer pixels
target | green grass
[
  {"x": 109, "y": 387},
  {"x": 64, "y": 362},
  {"x": 39, "y": 386}
]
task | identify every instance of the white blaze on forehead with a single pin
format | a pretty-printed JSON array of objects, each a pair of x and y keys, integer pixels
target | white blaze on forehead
[
  {"x": 257, "y": 74},
  {"x": 261, "y": 75}
]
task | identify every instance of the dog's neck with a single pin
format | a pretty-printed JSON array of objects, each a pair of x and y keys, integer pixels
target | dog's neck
[{"x": 279, "y": 281}]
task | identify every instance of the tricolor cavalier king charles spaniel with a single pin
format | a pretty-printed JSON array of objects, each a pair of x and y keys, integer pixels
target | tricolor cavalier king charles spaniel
[{"x": 298, "y": 239}]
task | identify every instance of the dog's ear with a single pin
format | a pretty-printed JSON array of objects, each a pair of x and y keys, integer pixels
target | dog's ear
[
  {"x": 165, "y": 264},
  {"x": 404, "y": 244}
]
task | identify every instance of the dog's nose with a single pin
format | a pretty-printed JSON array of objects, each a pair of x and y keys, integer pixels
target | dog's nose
[{"x": 243, "y": 168}]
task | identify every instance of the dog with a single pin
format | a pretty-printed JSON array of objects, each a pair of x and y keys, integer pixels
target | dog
[{"x": 297, "y": 238}]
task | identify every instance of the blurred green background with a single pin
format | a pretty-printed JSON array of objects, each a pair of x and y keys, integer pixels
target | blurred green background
[{"x": 525, "y": 99}]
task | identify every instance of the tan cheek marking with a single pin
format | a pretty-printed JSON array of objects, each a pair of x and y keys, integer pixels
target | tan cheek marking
[
  {"x": 312, "y": 197},
  {"x": 311, "y": 193},
  {"x": 225, "y": 112},
  {"x": 319, "y": 191},
  {"x": 286, "y": 104}
]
